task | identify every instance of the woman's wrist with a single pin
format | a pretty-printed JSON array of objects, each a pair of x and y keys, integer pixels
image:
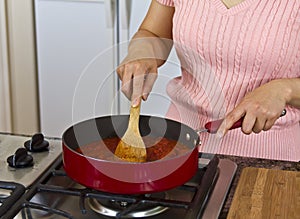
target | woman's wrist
[
  {"x": 290, "y": 88},
  {"x": 146, "y": 45}
]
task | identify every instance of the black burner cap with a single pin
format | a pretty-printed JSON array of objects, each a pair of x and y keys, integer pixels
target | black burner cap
[
  {"x": 37, "y": 143},
  {"x": 20, "y": 159}
]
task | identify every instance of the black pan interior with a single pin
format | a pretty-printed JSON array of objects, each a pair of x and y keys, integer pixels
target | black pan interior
[{"x": 111, "y": 126}]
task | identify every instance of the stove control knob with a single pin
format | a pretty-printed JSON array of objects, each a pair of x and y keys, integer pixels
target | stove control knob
[
  {"x": 37, "y": 143},
  {"x": 20, "y": 159}
]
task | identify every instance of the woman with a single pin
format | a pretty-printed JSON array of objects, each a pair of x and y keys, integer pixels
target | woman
[{"x": 239, "y": 59}]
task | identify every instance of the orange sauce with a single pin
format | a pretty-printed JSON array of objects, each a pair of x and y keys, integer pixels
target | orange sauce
[{"x": 157, "y": 148}]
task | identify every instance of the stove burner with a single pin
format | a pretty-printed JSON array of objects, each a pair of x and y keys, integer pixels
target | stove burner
[{"x": 113, "y": 208}]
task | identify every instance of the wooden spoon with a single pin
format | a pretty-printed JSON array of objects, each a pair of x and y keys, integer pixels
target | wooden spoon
[{"x": 131, "y": 146}]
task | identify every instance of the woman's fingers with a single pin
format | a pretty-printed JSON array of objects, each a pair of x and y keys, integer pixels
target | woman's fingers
[
  {"x": 148, "y": 83},
  {"x": 254, "y": 120},
  {"x": 137, "y": 78},
  {"x": 137, "y": 89},
  {"x": 253, "y": 124},
  {"x": 126, "y": 78},
  {"x": 229, "y": 121}
]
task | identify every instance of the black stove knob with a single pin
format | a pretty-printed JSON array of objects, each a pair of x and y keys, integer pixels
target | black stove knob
[
  {"x": 37, "y": 143},
  {"x": 20, "y": 159}
]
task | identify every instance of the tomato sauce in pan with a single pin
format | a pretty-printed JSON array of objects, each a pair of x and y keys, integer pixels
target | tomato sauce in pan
[{"x": 157, "y": 148}]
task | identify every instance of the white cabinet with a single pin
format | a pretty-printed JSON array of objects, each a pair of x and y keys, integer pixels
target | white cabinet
[
  {"x": 75, "y": 62},
  {"x": 5, "y": 109},
  {"x": 78, "y": 51}
]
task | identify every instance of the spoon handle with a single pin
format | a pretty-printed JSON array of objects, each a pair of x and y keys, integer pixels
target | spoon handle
[{"x": 134, "y": 117}]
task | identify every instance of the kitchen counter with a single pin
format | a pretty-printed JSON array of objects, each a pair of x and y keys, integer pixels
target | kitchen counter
[{"x": 243, "y": 162}]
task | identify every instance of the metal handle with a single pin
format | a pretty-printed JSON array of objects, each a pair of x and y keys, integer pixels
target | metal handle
[
  {"x": 125, "y": 6},
  {"x": 109, "y": 12},
  {"x": 213, "y": 126}
]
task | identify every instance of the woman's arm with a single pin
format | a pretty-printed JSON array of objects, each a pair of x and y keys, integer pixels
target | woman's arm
[
  {"x": 148, "y": 49},
  {"x": 262, "y": 107}
]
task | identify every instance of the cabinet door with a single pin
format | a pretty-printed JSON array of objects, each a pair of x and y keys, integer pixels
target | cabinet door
[
  {"x": 75, "y": 62},
  {"x": 158, "y": 102}
]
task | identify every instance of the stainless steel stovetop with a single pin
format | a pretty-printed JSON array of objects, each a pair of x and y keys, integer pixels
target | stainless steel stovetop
[
  {"x": 46, "y": 178},
  {"x": 42, "y": 160}
]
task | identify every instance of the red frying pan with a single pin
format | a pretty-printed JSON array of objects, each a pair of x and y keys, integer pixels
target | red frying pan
[{"x": 126, "y": 177}]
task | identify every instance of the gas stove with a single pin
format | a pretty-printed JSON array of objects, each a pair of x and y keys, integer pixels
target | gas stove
[{"x": 43, "y": 190}]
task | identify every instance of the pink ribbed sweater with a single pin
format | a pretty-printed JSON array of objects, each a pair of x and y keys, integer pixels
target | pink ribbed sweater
[{"x": 225, "y": 53}]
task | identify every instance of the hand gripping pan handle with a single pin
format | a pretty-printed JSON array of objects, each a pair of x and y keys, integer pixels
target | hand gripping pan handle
[{"x": 213, "y": 126}]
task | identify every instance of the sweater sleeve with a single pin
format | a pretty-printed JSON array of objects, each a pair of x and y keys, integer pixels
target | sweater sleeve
[{"x": 166, "y": 2}]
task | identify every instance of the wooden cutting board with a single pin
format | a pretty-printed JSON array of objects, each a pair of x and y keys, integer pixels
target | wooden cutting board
[{"x": 266, "y": 193}]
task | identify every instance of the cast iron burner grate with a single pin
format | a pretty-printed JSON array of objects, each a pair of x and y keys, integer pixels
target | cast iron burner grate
[
  {"x": 206, "y": 179},
  {"x": 10, "y": 192},
  {"x": 152, "y": 204}
]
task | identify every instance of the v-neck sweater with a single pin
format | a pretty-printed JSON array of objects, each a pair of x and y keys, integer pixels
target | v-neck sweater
[{"x": 226, "y": 53}]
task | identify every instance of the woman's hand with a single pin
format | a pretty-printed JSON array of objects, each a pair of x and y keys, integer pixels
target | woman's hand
[
  {"x": 260, "y": 108},
  {"x": 138, "y": 77},
  {"x": 148, "y": 49}
]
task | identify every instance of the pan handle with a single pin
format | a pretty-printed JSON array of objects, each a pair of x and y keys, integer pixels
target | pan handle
[{"x": 213, "y": 126}]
